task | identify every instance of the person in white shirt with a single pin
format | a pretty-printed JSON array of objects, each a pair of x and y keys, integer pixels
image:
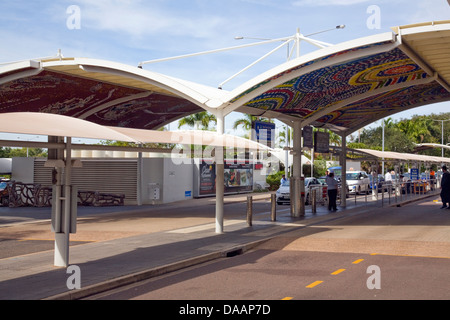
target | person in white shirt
[{"x": 332, "y": 191}]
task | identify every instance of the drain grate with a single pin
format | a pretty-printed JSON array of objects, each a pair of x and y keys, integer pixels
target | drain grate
[{"x": 234, "y": 253}]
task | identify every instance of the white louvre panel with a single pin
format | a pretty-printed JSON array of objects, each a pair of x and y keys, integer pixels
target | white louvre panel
[
  {"x": 109, "y": 176},
  {"x": 42, "y": 175}
]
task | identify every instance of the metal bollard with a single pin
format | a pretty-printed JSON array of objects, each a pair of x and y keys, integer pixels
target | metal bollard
[
  {"x": 389, "y": 193},
  {"x": 273, "y": 209},
  {"x": 249, "y": 210},
  {"x": 313, "y": 200}
]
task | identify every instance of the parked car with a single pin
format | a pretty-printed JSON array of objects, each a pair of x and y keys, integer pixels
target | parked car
[
  {"x": 283, "y": 194},
  {"x": 357, "y": 181},
  {"x": 380, "y": 182}
]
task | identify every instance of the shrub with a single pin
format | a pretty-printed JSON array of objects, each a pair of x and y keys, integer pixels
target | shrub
[{"x": 274, "y": 180}]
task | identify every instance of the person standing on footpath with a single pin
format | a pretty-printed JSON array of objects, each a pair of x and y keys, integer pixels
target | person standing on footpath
[
  {"x": 445, "y": 188},
  {"x": 332, "y": 191}
]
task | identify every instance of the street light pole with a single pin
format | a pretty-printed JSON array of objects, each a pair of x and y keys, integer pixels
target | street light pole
[{"x": 442, "y": 134}]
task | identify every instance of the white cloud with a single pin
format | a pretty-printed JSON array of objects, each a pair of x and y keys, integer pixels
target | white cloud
[
  {"x": 431, "y": 10},
  {"x": 319, "y": 3},
  {"x": 139, "y": 18}
]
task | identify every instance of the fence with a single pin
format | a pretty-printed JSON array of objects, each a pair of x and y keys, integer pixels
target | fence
[
  {"x": 35, "y": 195},
  {"x": 395, "y": 192},
  {"x": 386, "y": 193}
]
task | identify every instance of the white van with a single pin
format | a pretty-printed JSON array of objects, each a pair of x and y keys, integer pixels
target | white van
[{"x": 358, "y": 182}]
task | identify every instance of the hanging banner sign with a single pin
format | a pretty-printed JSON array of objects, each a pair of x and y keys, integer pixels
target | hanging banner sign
[
  {"x": 307, "y": 134},
  {"x": 321, "y": 142}
]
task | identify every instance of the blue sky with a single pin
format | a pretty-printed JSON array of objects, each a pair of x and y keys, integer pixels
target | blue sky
[{"x": 131, "y": 31}]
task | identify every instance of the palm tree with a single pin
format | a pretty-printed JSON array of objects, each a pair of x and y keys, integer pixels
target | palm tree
[
  {"x": 200, "y": 120},
  {"x": 416, "y": 129},
  {"x": 335, "y": 139},
  {"x": 282, "y": 137},
  {"x": 246, "y": 122},
  {"x": 388, "y": 123}
]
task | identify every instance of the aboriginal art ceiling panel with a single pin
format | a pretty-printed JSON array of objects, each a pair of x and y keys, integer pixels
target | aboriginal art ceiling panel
[
  {"x": 96, "y": 101},
  {"x": 335, "y": 85},
  {"x": 381, "y": 105}
]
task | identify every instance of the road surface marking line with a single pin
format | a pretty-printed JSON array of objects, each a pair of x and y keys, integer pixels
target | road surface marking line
[
  {"x": 357, "y": 261},
  {"x": 337, "y": 272},
  {"x": 287, "y": 298},
  {"x": 35, "y": 239},
  {"x": 315, "y": 283}
]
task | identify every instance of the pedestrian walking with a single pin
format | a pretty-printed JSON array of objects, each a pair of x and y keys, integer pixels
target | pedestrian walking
[
  {"x": 445, "y": 188},
  {"x": 332, "y": 191}
]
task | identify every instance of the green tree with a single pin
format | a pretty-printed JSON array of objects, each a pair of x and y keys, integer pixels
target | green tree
[
  {"x": 416, "y": 129},
  {"x": 26, "y": 152},
  {"x": 394, "y": 139},
  {"x": 200, "y": 120},
  {"x": 5, "y": 152},
  {"x": 246, "y": 123},
  {"x": 282, "y": 137}
]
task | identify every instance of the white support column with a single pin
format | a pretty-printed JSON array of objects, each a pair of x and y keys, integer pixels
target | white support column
[
  {"x": 220, "y": 190},
  {"x": 61, "y": 258},
  {"x": 374, "y": 173},
  {"x": 139, "y": 178},
  {"x": 296, "y": 182},
  {"x": 343, "y": 163},
  {"x": 286, "y": 162}
]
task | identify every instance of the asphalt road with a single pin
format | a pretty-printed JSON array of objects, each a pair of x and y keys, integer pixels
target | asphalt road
[
  {"x": 299, "y": 275},
  {"x": 369, "y": 256}
]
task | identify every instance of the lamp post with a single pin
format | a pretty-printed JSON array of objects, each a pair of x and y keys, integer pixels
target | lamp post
[{"x": 442, "y": 134}]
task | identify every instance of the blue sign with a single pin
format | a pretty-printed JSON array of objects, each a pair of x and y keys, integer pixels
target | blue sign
[
  {"x": 187, "y": 194},
  {"x": 263, "y": 132},
  {"x": 414, "y": 174}
]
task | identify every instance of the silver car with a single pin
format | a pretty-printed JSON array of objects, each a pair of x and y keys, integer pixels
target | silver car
[
  {"x": 357, "y": 182},
  {"x": 283, "y": 194}
]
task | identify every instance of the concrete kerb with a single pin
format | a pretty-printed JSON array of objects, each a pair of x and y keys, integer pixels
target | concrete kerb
[{"x": 402, "y": 203}]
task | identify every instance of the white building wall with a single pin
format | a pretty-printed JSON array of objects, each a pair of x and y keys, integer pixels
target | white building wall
[
  {"x": 22, "y": 170},
  {"x": 178, "y": 180},
  {"x": 173, "y": 181}
]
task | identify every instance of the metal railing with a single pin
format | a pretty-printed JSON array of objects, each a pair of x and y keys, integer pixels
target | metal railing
[{"x": 386, "y": 193}]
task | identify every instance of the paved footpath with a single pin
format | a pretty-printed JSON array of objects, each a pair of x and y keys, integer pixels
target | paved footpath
[{"x": 129, "y": 244}]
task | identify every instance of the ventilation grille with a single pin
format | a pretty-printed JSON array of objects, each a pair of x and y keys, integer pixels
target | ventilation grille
[{"x": 118, "y": 176}]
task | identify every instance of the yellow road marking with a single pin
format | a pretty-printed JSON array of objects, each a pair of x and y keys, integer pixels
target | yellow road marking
[
  {"x": 287, "y": 298},
  {"x": 357, "y": 261},
  {"x": 315, "y": 283},
  {"x": 32, "y": 239},
  {"x": 35, "y": 239},
  {"x": 337, "y": 272}
]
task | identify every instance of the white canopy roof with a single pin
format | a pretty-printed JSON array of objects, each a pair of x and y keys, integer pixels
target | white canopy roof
[
  {"x": 65, "y": 126},
  {"x": 389, "y": 155}
]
